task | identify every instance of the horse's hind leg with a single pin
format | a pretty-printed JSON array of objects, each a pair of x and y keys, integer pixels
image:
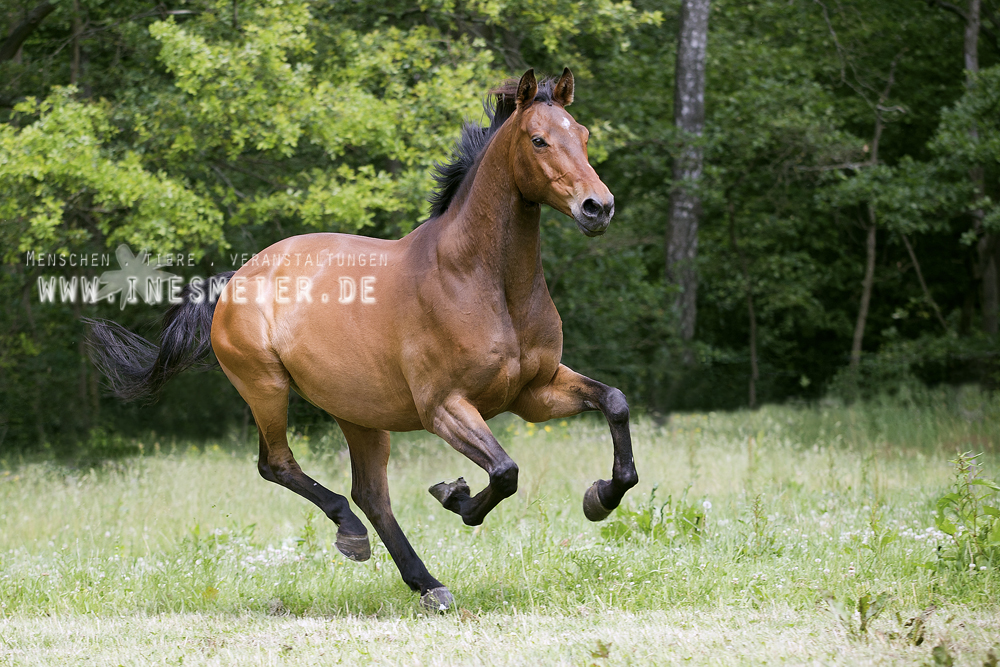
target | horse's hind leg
[
  {"x": 269, "y": 402},
  {"x": 370, "y": 490},
  {"x": 459, "y": 424}
]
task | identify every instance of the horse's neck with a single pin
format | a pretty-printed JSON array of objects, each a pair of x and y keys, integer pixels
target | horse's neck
[{"x": 496, "y": 229}]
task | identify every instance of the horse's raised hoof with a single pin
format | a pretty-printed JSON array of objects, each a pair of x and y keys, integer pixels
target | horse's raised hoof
[
  {"x": 592, "y": 506},
  {"x": 445, "y": 491},
  {"x": 437, "y": 600},
  {"x": 354, "y": 547}
]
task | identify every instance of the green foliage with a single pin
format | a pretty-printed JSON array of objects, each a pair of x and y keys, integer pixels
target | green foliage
[
  {"x": 105, "y": 446},
  {"x": 549, "y": 33},
  {"x": 761, "y": 540},
  {"x": 868, "y": 609},
  {"x": 64, "y": 159},
  {"x": 906, "y": 366},
  {"x": 909, "y": 197},
  {"x": 664, "y": 523},
  {"x": 308, "y": 540},
  {"x": 215, "y": 128},
  {"x": 603, "y": 651},
  {"x": 396, "y": 96},
  {"x": 914, "y": 630},
  {"x": 881, "y": 535},
  {"x": 963, "y": 150},
  {"x": 217, "y": 135},
  {"x": 970, "y": 515},
  {"x": 942, "y": 656}
]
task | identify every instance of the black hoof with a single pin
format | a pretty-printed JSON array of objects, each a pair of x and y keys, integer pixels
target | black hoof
[
  {"x": 592, "y": 506},
  {"x": 437, "y": 600},
  {"x": 354, "y": 547},
  {"x": 446, "y": 491}
]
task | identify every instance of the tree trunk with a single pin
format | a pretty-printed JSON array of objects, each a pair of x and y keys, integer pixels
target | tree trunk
[
  {"x": 74, "y": 68},
  {"x": 685, "y": 205},
  {"x": 866, "y": 290},
  {"x": 869, "y": 279},
  {"x": 923, "y": 284},
  {"x": 10, "y": 47},
  {"x": 972, "y": 37},
  {"x": 751, "y": 315},
  {"x": 986, "y": 249}
]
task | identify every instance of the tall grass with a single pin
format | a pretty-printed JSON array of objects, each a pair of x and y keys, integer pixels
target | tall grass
[{"x": 799, "y": 510}]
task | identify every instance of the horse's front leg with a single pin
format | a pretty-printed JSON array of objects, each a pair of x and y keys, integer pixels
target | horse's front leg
[
  {"x": 569, "y": 393},
  {"x": 459, "y": 424}
]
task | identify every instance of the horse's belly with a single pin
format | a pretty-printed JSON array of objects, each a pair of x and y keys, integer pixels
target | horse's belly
[
  {"x": 345, "y": 362},
  {"x": 351, "y": 389}
]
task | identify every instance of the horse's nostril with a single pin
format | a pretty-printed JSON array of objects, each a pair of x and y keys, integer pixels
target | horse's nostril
[{"x": 591, "y": 208}]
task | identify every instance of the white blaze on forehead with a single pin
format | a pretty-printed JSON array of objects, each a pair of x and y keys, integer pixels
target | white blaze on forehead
[{"x": 565, "y": 122}]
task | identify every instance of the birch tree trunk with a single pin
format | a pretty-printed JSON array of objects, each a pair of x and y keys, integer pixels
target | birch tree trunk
[{"x": 685, "y": 205}]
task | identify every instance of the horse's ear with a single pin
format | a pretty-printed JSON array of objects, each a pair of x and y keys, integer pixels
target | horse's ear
[
  {"x": 563, "y": 92},
  {"x": 527, "y": 87}
]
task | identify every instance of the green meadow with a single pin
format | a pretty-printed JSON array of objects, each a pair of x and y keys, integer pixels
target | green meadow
[{"x": 791, "y": 534}]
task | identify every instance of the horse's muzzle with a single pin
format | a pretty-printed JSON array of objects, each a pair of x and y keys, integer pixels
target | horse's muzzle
[{"x": 594, "y": 215}]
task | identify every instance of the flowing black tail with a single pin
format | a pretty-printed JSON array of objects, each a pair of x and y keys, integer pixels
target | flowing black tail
[{"x": 135, "y": 368}]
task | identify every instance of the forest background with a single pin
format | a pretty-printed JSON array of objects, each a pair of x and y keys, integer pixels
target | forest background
[{"x": 848, "y": 194}]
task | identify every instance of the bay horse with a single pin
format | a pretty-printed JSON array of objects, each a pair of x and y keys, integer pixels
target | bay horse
[{"x": 440, "y": 330}]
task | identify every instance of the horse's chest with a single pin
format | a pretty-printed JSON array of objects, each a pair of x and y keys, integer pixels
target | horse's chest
[
  {"x": 486, "y": 349},
  {"x": 517, "y": 356}
]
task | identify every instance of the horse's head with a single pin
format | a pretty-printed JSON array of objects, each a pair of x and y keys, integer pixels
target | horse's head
[{"x": 549, "y": 153}]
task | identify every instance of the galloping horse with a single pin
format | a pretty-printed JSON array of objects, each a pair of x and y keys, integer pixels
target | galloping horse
[{"x": 439, "y": 330}]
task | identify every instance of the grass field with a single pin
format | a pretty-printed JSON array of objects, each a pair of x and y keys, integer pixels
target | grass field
[{"x": 779, "y": 521}]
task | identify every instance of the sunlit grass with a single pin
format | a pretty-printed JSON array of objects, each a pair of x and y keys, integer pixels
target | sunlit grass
[{"x": 796, "y": 504}]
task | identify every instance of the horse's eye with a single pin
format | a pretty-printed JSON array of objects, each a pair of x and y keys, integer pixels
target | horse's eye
[{"x": 539, "y": 142}]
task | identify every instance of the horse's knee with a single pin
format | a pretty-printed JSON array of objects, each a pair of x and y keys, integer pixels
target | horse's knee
[
  {"x": 615, "y": 406},
  {"x": 504, "y": 480}
]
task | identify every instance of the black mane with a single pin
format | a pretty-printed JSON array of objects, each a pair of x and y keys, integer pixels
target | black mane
[{"x": 498, "y": 107}]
